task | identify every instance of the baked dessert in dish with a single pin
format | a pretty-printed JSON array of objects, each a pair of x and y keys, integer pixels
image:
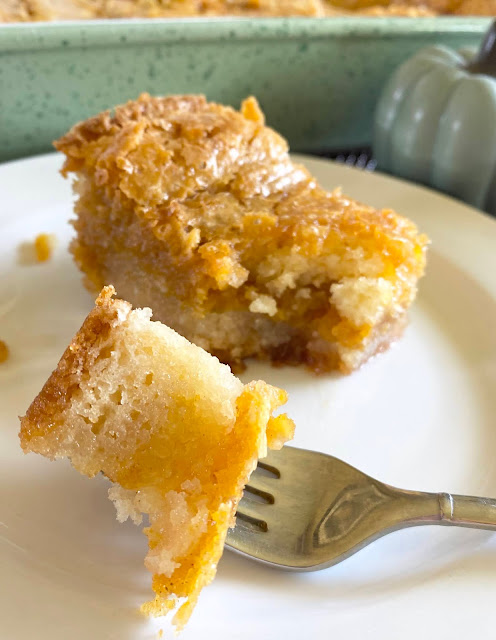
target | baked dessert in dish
[
  {"x": 176, "y": 433},
  {"x": 411, "y": 8},
  {"x": 197, "y": 210},
  {"x": 39, "y": 10}
]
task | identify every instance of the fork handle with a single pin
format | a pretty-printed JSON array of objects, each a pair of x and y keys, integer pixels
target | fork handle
[
  {"x": 418, "y": 508},
  {"x": 467, "y": 511}
]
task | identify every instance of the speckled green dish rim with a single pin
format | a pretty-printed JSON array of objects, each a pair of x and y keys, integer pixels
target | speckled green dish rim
[
  {"x": 317, "y": 79},
  {"x": 105, "y": 33}
]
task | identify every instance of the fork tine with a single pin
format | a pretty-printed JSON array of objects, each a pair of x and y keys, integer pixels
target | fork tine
[
  {"x": 263, "y": 485},
  {"x": 269, "y": 469},
  {"x": 254, "y": 510}
]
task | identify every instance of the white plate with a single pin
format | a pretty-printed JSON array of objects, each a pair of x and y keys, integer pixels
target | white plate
[{"x": 420, "y": 416}]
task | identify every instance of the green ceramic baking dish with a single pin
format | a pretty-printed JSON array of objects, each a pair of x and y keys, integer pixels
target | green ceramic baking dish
[{"x": 317, "y": 79}]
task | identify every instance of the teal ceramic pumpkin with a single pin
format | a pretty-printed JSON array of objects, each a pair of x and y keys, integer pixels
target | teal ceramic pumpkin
[{"x": 435, "y": 122}]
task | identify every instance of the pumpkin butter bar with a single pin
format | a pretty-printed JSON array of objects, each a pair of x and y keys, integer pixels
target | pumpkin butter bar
[
  {"x": 176, "y": 433},
  {"x": 197, "y": 210}
]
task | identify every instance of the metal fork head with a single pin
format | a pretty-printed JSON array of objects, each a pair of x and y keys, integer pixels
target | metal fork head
[
  {"x": 297, "y": 508},
  {"x": 304, "y": 511}
]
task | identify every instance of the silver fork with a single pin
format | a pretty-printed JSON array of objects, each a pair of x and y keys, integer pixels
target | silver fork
[{"x": 304, "y": 511}]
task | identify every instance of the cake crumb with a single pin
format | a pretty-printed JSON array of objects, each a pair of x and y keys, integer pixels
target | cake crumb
[
  {"x": 39, "y": 250},
  {"x": 44, "y": 245},
  {"x": 4, "y": 351},
  {"x": 251, "y": 110},
  {"x": 264, "y": 304}
]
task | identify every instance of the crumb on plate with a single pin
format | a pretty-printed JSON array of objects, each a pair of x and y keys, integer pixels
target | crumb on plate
[
  {"x": 44, "y": 245},
  {"x": 4, "y": 351},
  {"x": 38, "y": 250}
]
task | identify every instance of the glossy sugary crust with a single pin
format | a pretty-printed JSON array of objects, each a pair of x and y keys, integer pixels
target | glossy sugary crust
[
  {"x": 40, "y": 10},
  {"x": 197, "y": 210}
]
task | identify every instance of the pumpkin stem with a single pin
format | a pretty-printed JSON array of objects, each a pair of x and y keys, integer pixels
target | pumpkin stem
[{"x": 485, "y": 61}]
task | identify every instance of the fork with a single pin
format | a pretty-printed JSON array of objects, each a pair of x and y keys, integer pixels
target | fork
[{"x": 305, "y": 511}]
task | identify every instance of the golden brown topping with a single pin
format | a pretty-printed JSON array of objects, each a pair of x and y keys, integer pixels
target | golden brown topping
[
  {"x": 219, "y": 190},
  {"x": 35, "y": 10}
]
